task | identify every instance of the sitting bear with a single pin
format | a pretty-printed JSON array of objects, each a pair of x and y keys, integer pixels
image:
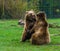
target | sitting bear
[
  {"x": 30, "y": 19},
  {"x": 41, "y": 34}
]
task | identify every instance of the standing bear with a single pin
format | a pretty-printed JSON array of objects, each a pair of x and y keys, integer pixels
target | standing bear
[
  {"x": 30, "y": 19},
  {"x": 41, "y": 34}
]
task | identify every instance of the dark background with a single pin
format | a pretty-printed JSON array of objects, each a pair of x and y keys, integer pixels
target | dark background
[{"x": 15, "y": 9}]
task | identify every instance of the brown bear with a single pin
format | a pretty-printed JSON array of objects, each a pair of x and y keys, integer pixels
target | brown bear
[
  {"x": 41, "y": 34},
  {"x": 29, "y": 23}
]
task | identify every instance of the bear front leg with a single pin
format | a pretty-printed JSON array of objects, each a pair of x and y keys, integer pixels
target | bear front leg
[{"x": 24, "y": 36}]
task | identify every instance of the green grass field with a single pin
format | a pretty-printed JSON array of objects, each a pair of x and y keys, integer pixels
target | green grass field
[{"x": 10, "y": 37}]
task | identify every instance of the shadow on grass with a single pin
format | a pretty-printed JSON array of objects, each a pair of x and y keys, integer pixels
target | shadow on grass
[
  {"x": 16, "y": 42},
  {"x": 52, "y": 43}
]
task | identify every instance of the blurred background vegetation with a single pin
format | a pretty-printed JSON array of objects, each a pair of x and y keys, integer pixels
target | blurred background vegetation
[{"x": 15, "y": 9}]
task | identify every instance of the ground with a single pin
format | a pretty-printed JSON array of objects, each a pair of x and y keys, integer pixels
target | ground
[{"x": 10, "y": 36}]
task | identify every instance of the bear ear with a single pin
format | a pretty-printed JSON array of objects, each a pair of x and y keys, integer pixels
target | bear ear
[
  {"x": 41, "y": 14},
  {"x": 38, "y": 13}
]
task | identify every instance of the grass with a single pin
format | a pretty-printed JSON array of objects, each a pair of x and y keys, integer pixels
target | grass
[{"x": 10, "y": 37}]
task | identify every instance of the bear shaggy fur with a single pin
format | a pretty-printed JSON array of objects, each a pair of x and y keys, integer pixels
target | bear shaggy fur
[
  {"x": 30, "y": 19},
  {"x": 41, "y": 35}
]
